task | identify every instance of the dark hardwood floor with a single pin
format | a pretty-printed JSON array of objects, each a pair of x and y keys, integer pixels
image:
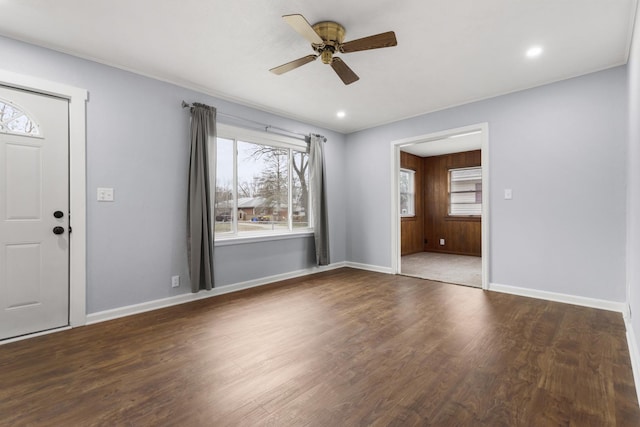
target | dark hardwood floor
[{"x": 341, "y": 348}]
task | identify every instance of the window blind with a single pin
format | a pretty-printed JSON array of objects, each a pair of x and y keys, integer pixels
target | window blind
[{"x": 465, "y": 192}]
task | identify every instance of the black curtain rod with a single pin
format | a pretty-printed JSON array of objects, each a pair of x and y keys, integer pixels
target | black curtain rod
[{"x": 266, "y": 127}]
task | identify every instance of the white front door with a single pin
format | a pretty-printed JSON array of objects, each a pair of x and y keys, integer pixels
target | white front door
[{"x": 34, "y": 212}]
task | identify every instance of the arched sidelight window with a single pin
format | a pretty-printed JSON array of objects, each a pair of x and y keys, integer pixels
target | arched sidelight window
[{"x": 16, "y": 121}]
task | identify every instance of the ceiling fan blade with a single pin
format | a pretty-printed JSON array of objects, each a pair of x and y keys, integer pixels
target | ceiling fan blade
[
  {"x": 302, "y": 26},
  {"x": 387, "y": 39},
  {"x": 293, "y": 64},
  {"x": 343, "y": 71}
]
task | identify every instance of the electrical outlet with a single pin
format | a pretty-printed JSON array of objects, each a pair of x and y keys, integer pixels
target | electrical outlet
[
  {"x": 105, "y": 194},
  {"x": 508, "y": 194},
  {"x": 175, "y": 281},
  {"x": 441, "y": 242}
]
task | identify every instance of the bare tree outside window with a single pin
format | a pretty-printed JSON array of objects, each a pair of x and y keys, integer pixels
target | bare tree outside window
[
  {"x": 300, "y": 162},
  {"x": 271, "y": 166},
  {"x": 272, "y": 188},
  {"x": 14, "y": 120}
]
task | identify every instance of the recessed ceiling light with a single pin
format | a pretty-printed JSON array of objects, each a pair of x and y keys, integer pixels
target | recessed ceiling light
[
  {"x": 534, "y": 51},
  {"x": 341, "y": 114}
]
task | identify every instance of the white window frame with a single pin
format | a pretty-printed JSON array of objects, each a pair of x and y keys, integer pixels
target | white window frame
[
  {"x": 264, "y": 138},
  {"x": 450, "y": 192},
  {"x": 412, "y": 192}
]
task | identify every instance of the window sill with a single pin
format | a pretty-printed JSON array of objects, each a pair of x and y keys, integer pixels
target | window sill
[
  {"x": 463, "y": 218},
  {"x": 235, "y": 240}
]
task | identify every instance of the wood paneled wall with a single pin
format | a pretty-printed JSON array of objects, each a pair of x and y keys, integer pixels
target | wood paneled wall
[
  {"x": 462, "y": 234},
  {"x": 412, "y": 228},
  {"x": 431, "y": 222}
]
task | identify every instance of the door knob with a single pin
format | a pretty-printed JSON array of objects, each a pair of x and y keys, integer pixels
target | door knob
[
  {"x": 58, "y": 214},
  {"x": 58, "y": 230}
]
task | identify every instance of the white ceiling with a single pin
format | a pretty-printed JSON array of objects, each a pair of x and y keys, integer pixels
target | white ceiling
[
  {"x": 452, "y": 144},
  {"x": 449, "y": 52}
]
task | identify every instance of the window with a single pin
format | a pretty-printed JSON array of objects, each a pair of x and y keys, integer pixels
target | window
[
  {"x": 14, "y": 120},
  {"x": 407, "y": 192},
  {"x": 465, "y": 191},
  {"x": 261, "y": 184}
]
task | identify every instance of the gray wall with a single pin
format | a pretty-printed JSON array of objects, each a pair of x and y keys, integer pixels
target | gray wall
[
  {"x": 562, "y": 149},
  {"x": 633, "y": 185},
  {"x": 137, "y": 142}
]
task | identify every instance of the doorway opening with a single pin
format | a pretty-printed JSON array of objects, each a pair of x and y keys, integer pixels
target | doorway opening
[{"x": 440, "y": 206}]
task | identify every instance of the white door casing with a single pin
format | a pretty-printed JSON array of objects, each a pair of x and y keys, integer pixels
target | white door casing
[
  {"x": 34, "y": 183},
  {"x": 395, "y": 192}
]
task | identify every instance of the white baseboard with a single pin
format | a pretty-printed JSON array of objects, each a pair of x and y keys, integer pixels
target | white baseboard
[
  {"x": 369, "y": 267},
  {"x": 634, "y": 353},
  {"x": 129, "y": 310},
  {"x": 620, "y": 307}
]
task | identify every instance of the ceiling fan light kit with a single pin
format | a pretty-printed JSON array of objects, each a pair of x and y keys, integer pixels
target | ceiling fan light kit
[{"x": 327, "y": 38}]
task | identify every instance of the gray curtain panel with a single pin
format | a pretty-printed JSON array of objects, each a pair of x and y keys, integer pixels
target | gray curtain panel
[
  {"x": 201, "y": 169},
  {"x": 319, "y": 198}
]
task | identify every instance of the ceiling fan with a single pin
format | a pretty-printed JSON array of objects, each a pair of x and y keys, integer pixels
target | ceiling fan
[{"x": 326, "y": 38}]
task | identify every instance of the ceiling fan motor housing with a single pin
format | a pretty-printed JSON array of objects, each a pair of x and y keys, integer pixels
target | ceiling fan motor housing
[{"x": 332, "y": 34}]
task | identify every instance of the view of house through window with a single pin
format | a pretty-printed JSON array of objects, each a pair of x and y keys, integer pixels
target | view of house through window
[
  {"x": 261, "y": 188},
  {"x": 407, "y": 192},
  {"x": 465, "y": 191}
]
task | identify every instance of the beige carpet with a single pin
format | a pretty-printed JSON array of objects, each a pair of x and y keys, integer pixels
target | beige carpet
[{"x": 458, "y": 269}]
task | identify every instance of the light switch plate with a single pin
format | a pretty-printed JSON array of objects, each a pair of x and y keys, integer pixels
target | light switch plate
[
  {"x": 508, "y": 194},
  {"x": 105, "y": 194}
]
